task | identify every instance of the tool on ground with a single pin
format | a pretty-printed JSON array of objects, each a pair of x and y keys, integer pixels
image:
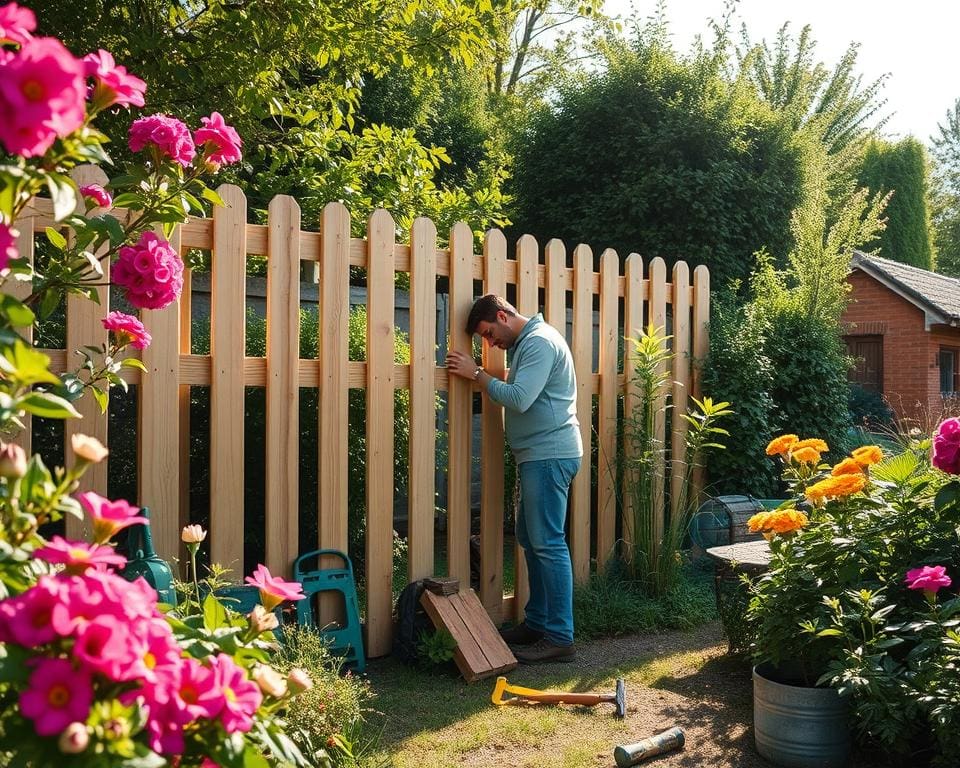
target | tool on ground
[
  {"x": 632, "y": 754},
  {"x": 520, "y": 694}
]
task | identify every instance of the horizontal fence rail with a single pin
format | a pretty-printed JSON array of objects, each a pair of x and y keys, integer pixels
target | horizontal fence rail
[{"x": 604, "y": 306}]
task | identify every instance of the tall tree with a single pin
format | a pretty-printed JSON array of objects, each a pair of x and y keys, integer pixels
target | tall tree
[{"x": 946, "y": 192}]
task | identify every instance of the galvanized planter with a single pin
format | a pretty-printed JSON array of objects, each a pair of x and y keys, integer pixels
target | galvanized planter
[{"x": 798, "y": 726}]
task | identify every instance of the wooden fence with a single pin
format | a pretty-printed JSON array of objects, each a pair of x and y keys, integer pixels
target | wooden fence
[{"x": 164, "y": 393}]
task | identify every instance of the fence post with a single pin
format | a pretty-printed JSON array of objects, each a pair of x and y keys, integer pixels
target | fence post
[
  {"x": 21, "y": 289},
  {"x": 607, "y": 409},
  {"x": 658, "y": 319},
  {"x": 582, "y": 345},
  {"x": 681, "y": 384},
  {"x": 701, "y": 346},
  {"x": 633, "y": 297}
]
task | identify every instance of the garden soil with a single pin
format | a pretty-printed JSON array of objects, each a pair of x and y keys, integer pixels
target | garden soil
[{"x": 681, "y": 679}]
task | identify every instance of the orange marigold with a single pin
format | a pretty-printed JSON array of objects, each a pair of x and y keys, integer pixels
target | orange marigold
[
  {"x": 847, "y": 467},
  {"x": 867, "y": 455},
  {"x": 787, "y": 521},
  {"x": 758, "y": 521},
  {"x": 811, "y": 442},
  {"x": 805, "y": 455},
  {"x": 781, "y": 445},
  {"x": 835, "y": 487}
]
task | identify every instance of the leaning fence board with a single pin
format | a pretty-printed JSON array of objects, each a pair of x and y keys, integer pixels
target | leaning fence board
[
  {"x": 607, "y": 409},
  {"x": 21, "y": 289},
  {"x": 459, "y": 408},
  {"x": 423, "y": 400},
  {"x": 380, "y": 432},
  {"x": 158, "y": 461},
  {"x": 227, "y": 341},
  {"x": 491, "y": 443},
  {"x": 582, "y": 346},
  {"x": 632, "y": 327},
  {"x": 527, "y": 305},
  {"x": 480, "y": 650},
  {"x": 283, "y": 387},
  {"x": 681, "y": 387},
  {"x": 84, "y": 327}
]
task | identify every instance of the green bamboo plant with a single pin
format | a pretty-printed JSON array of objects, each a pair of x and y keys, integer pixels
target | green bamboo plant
[{"x": 653, "y": 536}]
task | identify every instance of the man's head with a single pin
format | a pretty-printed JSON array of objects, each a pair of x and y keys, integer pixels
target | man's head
[{"x": 495, "y": 319}]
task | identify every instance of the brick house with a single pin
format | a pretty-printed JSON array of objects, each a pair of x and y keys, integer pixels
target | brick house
[{"x": 902, "y": 327}]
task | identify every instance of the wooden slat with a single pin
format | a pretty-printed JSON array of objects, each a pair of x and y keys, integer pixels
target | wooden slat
[
  {"x": 283, "y": 387},
  {"x": 227, "y": 339},
  {"x": 632, "y": 327},
  {"x": 380, "y": 433},
  {"x": 495, "y": 650},
  {"x": 527, "y": 305},
  {"x": 423, "y": 400},
  {"x": 459, "y": 408},
  {"x": 491, "y": 450},
  {"x": 658, "y": 319},
  {"x": 701, "y": 346},
  {"x": 183, "y": 398},
  {"x": 84, "y": 327},
  {"x": 582, "y": 348},
  {"x": 334, "y": 393},
  {"x": 158, "y": 459},
  {"x": 607, "y": 409},
  {"x": 681, "y": 388},
  {"x": 20, "y": 289},
  {"x": 555, "y": 295}
]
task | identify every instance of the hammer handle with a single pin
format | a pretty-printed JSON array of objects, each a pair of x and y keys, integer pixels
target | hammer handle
[{"x": 588, "y": 699}]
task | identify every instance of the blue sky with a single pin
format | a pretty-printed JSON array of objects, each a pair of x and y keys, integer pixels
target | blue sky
[{"x": 917, "y": 42}]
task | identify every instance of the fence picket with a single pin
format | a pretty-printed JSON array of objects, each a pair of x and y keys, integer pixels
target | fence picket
[
  {"x": 554, "y": 292},
  {"x": 681, "y": 383},
  {"x": 183, "y": 395},
  {"x": 701, "y": 342},
  {"x": 607, "y": 409},
  {"x": 84, "y": 327},
  {"x": 491, "y": 443},
  {"x": 21, "y": 289},
  {"x": 582, "y": 347},
  {"x": 283, "y": 386},
  {"x": 158, "y": 460},
  {"x": 658, "y": 319},
  {"x": 459, "y": 407},
  {"x": 227, "y": 349},
  {"x": 633, "y": 297},
  {"x": 423, "y": 400}
]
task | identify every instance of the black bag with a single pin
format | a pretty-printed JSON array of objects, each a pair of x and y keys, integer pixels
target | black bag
[{"x": 412, "y": 621}]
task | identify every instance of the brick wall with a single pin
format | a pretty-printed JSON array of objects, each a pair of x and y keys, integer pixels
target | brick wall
[{"x": 911, "y": 373}]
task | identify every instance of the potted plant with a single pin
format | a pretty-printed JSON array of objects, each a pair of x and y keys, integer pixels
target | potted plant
[{"x": 852, "y": 615}]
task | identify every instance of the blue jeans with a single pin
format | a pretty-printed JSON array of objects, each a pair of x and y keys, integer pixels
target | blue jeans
[{"x": 544, "y": 489}]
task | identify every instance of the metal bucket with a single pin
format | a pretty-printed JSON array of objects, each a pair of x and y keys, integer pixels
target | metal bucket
[{"x": 798, "y": 726}]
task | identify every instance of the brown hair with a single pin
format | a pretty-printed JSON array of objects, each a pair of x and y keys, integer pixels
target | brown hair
[{"x": 485, "y": 310}]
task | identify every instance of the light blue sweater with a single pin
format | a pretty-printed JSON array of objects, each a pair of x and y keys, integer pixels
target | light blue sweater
[{"x": 540, "y": 396}]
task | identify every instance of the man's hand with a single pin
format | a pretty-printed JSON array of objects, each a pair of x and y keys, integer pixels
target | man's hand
[{"x": 460, "y": 364}]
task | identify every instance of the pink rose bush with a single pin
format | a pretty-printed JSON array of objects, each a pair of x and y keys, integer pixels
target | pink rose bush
[
  {"x": 98, "y": 195},
  {"x": 150, "y": 271},
  {"x": 126, "y": 329},
  {"x": 113, "y": 84},
  {"x": 929, "y": 579},
  {"x": 946, "y": 446},
  {"x": 221, "y": 142},
  {"x": 166, "y": 136},
  {"x": 16, "y": 24}
]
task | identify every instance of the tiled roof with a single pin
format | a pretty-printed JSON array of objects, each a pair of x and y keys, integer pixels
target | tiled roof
[{"x": 937, "y": 295}]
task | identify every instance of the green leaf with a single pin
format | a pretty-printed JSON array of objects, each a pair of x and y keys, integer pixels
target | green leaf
[
  {"x": 56, "y": 239},
  {"x": 32, "y": 367},
  {"x": 63, "y": 193},
  {"x": 947, "y": 496},
  {"x": 132, "y": 362},
  {"x": 19, "y": 314},
  {"x": 48, "y": 406},
  {"x": 13, "y": 666},
  {"x": 102, "y": 398},
  {"x": 209, "y": 194},
  {"x": 214, "y": 614}
]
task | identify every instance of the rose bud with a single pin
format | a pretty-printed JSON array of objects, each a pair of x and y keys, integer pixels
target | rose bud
[
  {"x": 192, "y": 534},
  {"x": 74, "y": 739},
  {"x": 262, "y": 620},
  {"x": 270, "y": 681},
  {"x": 299, "y": 680},
  {"x": 13, "y": 461},
  {"x": 88, "y": 448}
]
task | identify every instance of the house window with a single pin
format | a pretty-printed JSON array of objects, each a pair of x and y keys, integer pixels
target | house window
[{"x": 948, "y": 371}]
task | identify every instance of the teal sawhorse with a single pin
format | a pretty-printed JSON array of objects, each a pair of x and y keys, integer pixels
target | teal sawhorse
[{"x": 346, "y": 640}]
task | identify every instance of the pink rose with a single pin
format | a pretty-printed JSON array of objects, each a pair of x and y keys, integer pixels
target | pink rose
[
  {"x": 928, "y": 578},
  {"x": 16, "y": 23},
  {"x": 114, "y": 85},
  {"x": 151, "y": 271},
  {"x": 41, "y": 96},
  {"x": 98, "y": 194},
  {"x": 946, "y": 446},
  {"x": 8, "y": 245},
  {"x": 170, "y": 136},
  {"x": 221, "y": 143},
  {"x": 126, "y": 329}
]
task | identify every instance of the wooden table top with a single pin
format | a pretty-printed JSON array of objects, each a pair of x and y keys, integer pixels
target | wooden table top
[{"x": 746, "y": 555}]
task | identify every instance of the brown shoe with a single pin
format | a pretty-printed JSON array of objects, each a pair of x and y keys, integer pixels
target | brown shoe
[
  {"x": 545, "y": 650},
  {"x": 520, "y": 634}
]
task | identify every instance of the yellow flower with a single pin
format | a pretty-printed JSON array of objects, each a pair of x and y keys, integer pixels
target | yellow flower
[
  {"x": 758, "y": 521},
  {"x": 781, "y": 445},
  {"x": 811, "y": 442},
  {"x": 847, "y": 467},
  {"x": 835, "y": 487},
  {"x": 805, "y": 455},
  {"x": 867, "y": 455},
  {"x": 781, "y": 521}
]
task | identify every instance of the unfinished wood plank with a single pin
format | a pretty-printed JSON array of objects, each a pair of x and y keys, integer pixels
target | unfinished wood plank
[
  {"x": 459, "y": 408},
  {"x": 423, "y": 400},
  {"x": 555, "y": 293},
  {"x": 283, "y": 386},
  {"x": 183, "y": 399},
  {"x": 658, "y": 320},
  {"x": 528, "y": 306},
  {"x": 227, "y": 346},
  {"x": 158, "y": 437},
  {"x": 701, "y": 346},
  {"x": 633, "y": 327},
  {"x": 84, "y": 327},
  {"x": 491, "y": 442},
  {"x": 21, "y": 289},
  {"x": 607, "y": 409},
  {"x": 380, "y": 433},
  {"x": 681, "y": 388},
  {"x": 582, "y": 348},
  {"x": 468, "y": 655},
  {"x": 495, "y": 650}
]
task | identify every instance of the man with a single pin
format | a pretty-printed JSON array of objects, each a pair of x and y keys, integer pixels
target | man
[{"x": 539, "y": 396}]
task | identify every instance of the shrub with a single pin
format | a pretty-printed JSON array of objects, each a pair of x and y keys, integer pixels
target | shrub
[{"x": 869, "y": 409}]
